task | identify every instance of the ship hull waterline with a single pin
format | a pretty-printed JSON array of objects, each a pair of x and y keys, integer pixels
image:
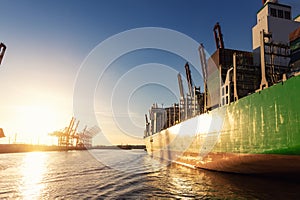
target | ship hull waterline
[{"x": 258, "y": 134}]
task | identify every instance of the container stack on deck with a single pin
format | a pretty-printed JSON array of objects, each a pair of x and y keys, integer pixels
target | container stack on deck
[
  {"x": 295, "y": 50},
  {"x": 231, "y": 74}
]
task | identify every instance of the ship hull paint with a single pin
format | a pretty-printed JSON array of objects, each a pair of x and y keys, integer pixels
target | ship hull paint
[
  {"x": 266, "y": 164},
  {"x": 259, "y": 133},
  {"x": 260, "y": 164}
]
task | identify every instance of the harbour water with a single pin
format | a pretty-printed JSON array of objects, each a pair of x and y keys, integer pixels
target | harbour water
[{"x": 126, "y": 174}]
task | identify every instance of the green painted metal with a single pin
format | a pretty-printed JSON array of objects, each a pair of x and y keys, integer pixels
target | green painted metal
[{"x": 267, "y": 122}]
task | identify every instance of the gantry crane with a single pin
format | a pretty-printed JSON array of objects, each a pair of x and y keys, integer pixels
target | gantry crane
[
  {"x": 67, "y": 136},
  {"x": 85, "y": 137}
]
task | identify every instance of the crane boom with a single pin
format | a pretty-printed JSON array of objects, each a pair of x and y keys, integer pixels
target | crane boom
[
  {"x": 204, "y": 72},
  {"x": 2, "y": 51},
  {"x": 218, "y": 36},
  {"x": 189, "y": 79},
  {"x": 180, "y": 86},
  {"x": 75, "y": 129},
  {"x": 146, "y": 118},
  {"x": 203, "y": 61},
  {"x": 70, "y": 127}
]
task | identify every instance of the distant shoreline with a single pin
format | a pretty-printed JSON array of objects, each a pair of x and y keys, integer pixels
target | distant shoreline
[
  {"x": 120, "y": 147},
  {"x": 19, "y": 148}
]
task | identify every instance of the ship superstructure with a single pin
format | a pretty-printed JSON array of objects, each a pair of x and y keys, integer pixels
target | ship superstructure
[{"x": 247, "y": 113}]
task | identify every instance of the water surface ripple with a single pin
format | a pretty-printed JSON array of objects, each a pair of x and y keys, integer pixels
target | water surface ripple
[{"x": 121, "y": 174}]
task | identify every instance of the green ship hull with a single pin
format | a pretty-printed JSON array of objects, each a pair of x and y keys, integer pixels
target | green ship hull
[{"x": 259, "y": 134}]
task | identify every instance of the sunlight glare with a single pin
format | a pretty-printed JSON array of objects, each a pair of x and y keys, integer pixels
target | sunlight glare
[
  {"x": 36, "y": 122},
  {"x": 33, "y": 170}
]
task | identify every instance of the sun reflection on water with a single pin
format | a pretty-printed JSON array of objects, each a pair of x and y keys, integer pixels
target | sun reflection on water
[{"x": 32, "y": 170}]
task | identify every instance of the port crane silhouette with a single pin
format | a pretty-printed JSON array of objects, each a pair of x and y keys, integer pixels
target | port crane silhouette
[{"x": 69, "y": 137}]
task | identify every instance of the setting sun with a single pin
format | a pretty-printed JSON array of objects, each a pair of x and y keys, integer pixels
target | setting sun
[{"x": 35, "y": 122}]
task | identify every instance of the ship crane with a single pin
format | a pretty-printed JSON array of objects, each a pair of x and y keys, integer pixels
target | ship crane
[
  {"x": 182, "y": 107},
  {"x": 204, "y": 72},
  {"x": 218, "y": 36},
  {"x": 2, "y": 51},
  {"x": 146, "y": 118},
  {"x": 189, "y": 79},
  {"x": 147, "y": 126},
  {"x": 180, "y": 86},
  {"x": 192, "y": 101}
]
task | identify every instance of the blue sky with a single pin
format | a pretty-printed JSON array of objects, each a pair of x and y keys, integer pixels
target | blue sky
[{"x": 47, "y": 42}]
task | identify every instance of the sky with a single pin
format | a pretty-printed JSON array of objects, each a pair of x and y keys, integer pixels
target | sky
[{"x": 54, "y": 69}]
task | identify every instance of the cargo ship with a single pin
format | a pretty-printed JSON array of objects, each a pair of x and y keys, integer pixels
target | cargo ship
[{"x": 247, "y": 118}]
